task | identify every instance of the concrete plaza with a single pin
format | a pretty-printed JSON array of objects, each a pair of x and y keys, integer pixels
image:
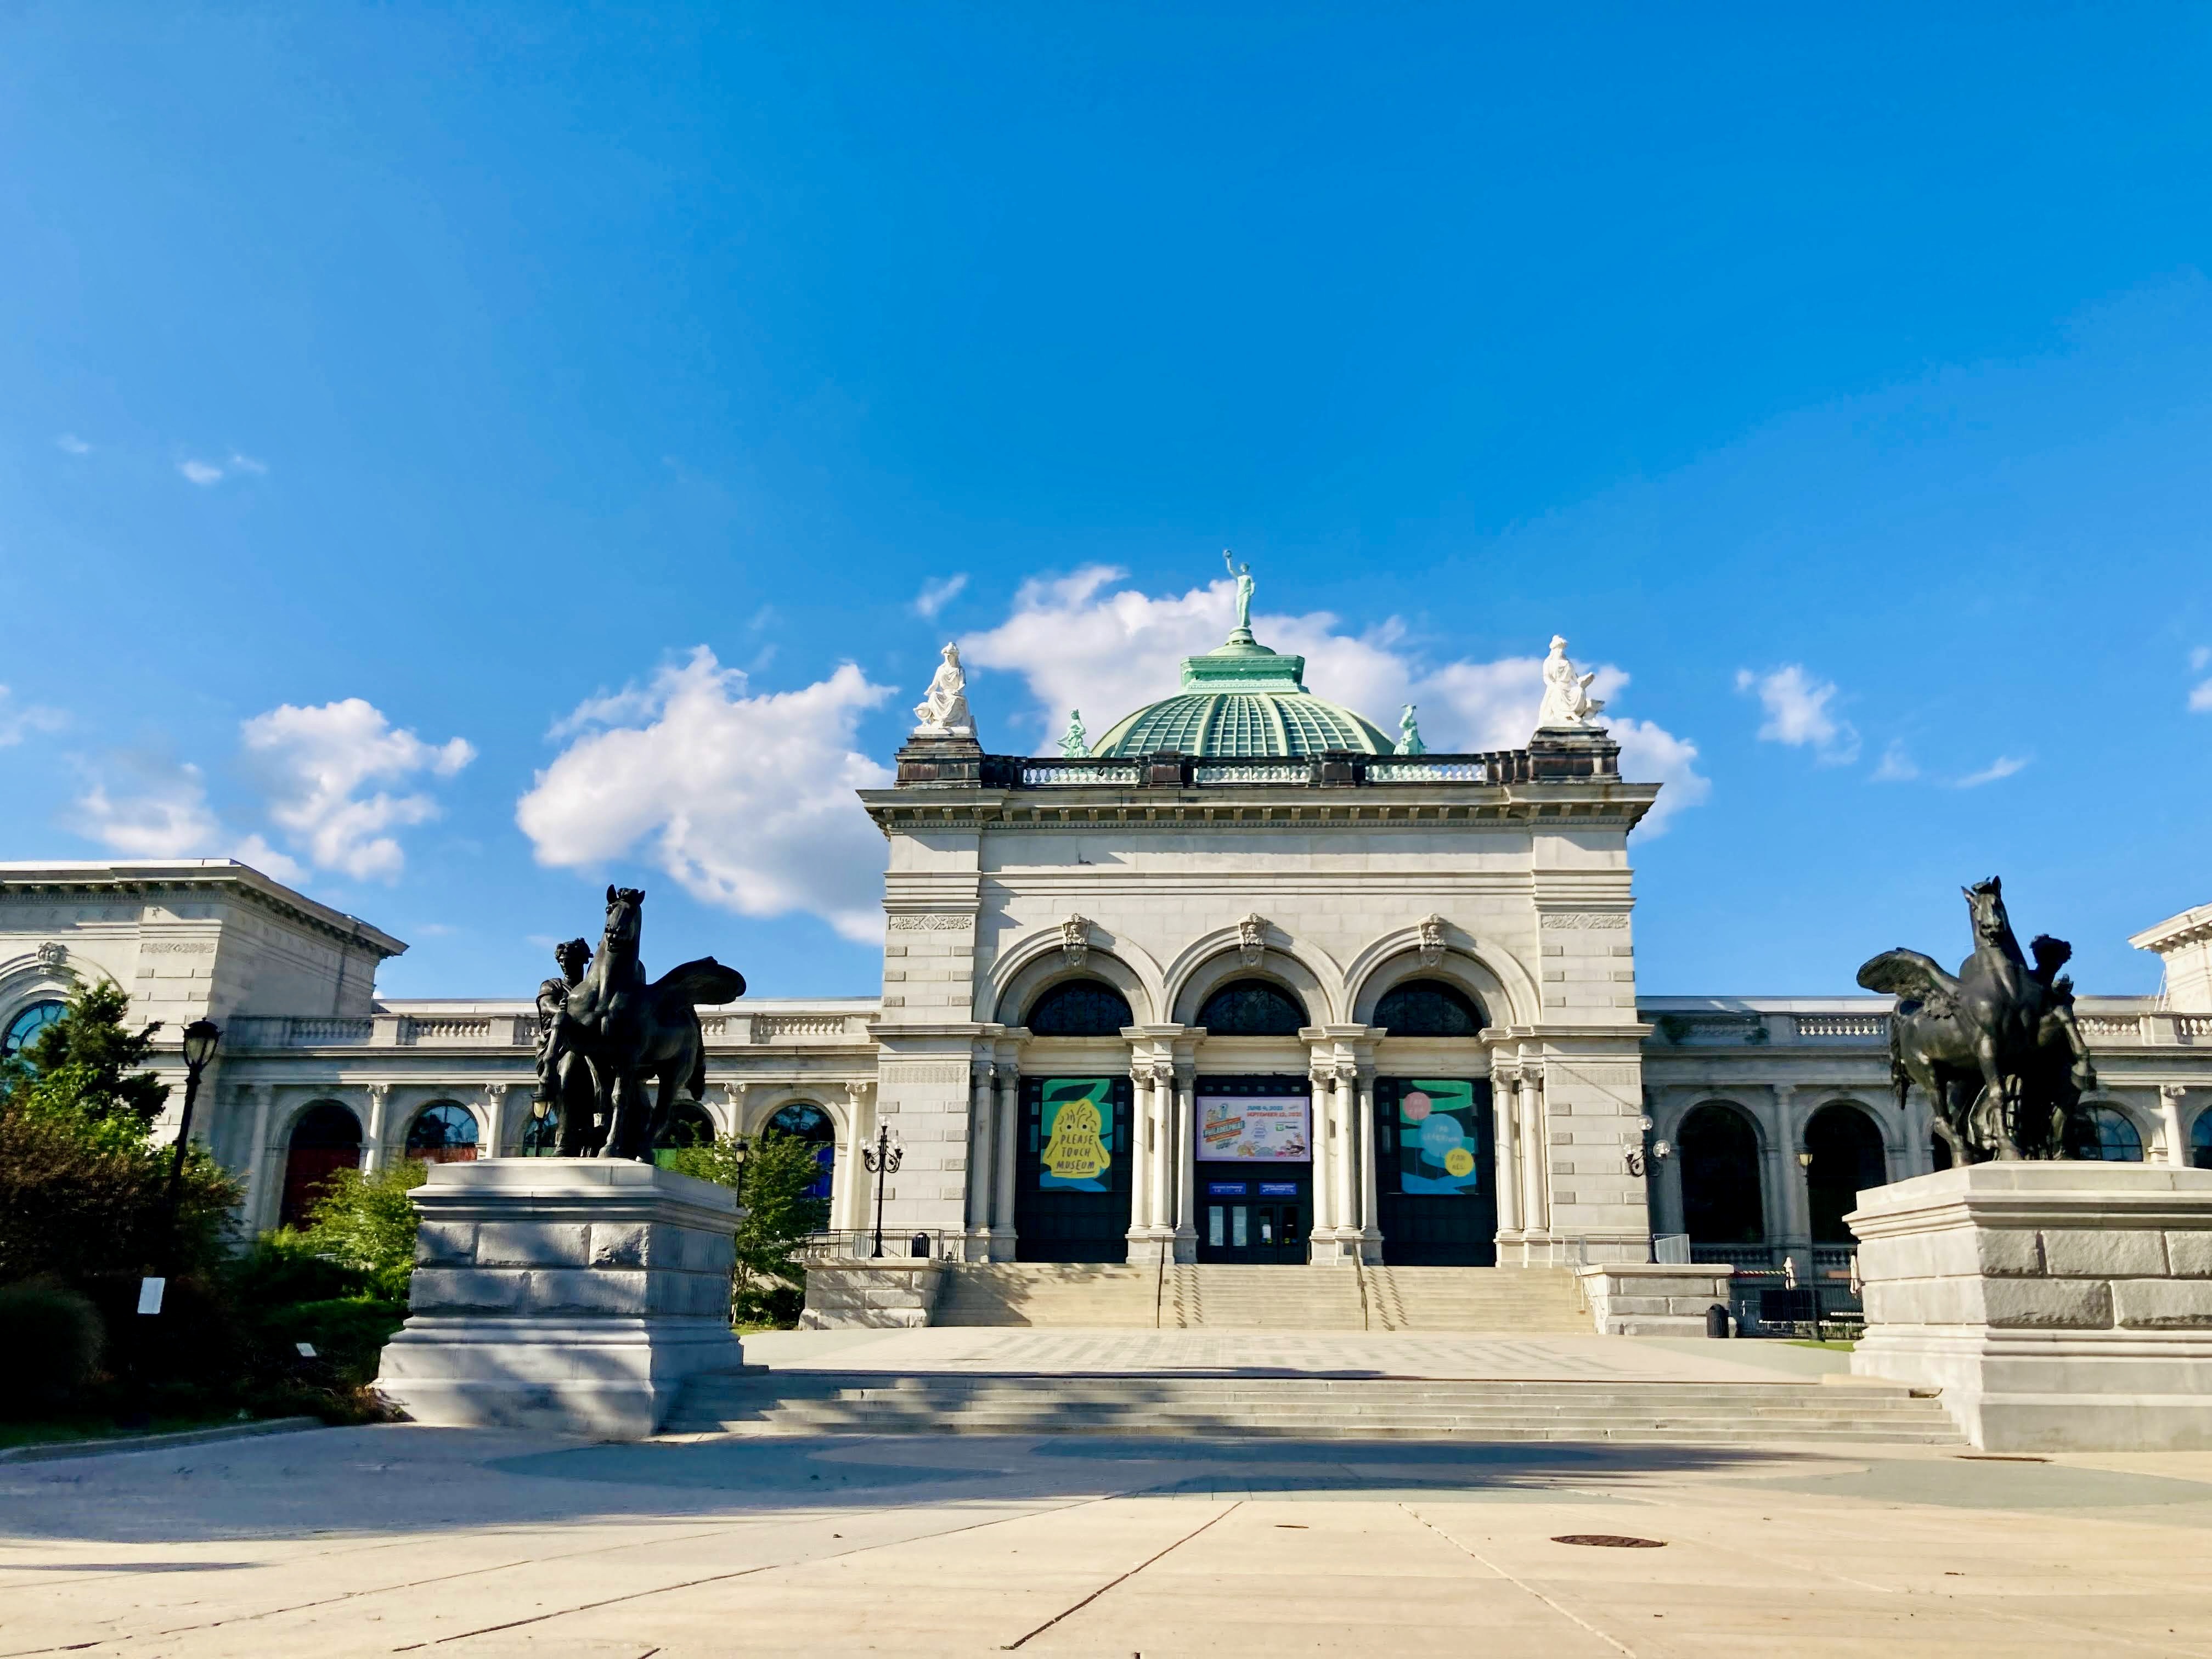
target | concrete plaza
[{"x": 403, "y": 1539}]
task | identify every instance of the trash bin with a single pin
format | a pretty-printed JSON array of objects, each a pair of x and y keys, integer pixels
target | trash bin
[{"x": 1717, "y": 1321}]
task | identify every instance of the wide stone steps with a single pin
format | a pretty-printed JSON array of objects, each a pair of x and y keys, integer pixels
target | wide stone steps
[
  {"x": 1522, "y": 1301},
  {"x": 1307, "y": 1408}
]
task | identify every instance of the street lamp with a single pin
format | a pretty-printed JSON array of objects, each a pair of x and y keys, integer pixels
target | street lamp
[
  {"x": 880, "y": 1160},
  {"x": 201, "y": 1038},
  {"x": 1636, "y": 1150}
]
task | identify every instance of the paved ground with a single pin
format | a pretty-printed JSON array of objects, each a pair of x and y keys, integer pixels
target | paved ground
[
  {"x": 405, "y": 1540},
  {"x": 1579, "y": 1358}
]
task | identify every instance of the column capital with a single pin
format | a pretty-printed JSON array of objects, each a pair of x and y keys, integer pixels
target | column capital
[{"x": 2174, "y": 1093}]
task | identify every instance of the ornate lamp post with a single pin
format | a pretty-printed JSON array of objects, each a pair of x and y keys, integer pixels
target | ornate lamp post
[
  {"x": 201, "y": 1038},
  {"x": 1637, "y": 1151},
  {"x": 880, "y": 1160}
]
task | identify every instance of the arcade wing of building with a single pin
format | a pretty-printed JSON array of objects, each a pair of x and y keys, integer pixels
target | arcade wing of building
[{"x": 1248, "y": 983}]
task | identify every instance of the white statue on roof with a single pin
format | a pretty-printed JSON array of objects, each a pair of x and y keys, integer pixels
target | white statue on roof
[
  {"x": 943, "y": 712},
  {"x": 1568, "y": 705},
  {"x": 1244, "y": 586}
]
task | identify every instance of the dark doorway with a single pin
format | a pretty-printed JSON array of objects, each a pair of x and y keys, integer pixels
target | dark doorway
[
  {"x": 1719, "y": 1152},
  {"x": 1072, "y": 1170},
  {"x": 326, "y": 1138},
  {"x": 1254, "y": 1169},
  {"x": 1847, "y": 1160},
  {"x": 1436, "y": 1183}
]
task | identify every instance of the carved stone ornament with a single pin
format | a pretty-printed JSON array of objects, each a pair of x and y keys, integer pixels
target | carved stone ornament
[
  {"x": 1075, "y": 940},
  {"x": 52, "y": 953},
  {"x": 1252, "y": 939},
  {"x": 1432, "y": 940}
]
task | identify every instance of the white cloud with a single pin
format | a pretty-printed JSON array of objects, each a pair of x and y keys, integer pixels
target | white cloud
[
  {"x": 936, "y": 595},
  {"x": 2200, "y": 697},
  {"x": 315, "y": 763},
  {"x": 1798, "y": 714},
  {"x": 70, "y": 444},
  {"x": 165, "y": 815},
  {"x": 16, "y": 724},
  {"x": 247, "y": 464},
  {"x": 2201, "y": 658},
  {"x": 1896, "y": 765},
  {"x": 2002, "y": 767},
  {"x": 1081, "y": 642},
  {"x": 745, "y": 800},
  {"x": 200, "y": 473}
]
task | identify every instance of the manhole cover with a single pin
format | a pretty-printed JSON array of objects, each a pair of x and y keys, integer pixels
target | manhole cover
[{"x": 1611, "y": 1540}]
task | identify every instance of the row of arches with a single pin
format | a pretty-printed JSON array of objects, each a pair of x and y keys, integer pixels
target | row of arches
[
  {"x": 1253, "y": 1007},
  {"x": 327, "y": 1137}
]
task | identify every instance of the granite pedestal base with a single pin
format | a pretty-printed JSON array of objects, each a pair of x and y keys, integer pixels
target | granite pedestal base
[
  {"x": 570, "y": 1294},
  {"x": 2059, "y": 1307}
]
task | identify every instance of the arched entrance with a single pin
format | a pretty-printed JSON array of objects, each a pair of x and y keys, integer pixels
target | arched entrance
[
  {"x": 1721, "y": 1204},
  {"x": 327, "y": 1137},
  {"x": 444, "y": 1132},
  {"x": 1436, "y": 1186},
  {"x": 1847, "y": 1160}
]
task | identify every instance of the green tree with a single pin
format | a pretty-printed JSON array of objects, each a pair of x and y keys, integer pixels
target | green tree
[
  {"x": 770, "y": 1174},
  {"x": 367, "y": 1221},
  {"x": 84, "y": 1069}
]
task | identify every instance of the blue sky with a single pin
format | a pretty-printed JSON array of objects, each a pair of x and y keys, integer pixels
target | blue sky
[{"x": 399, "y": 401}]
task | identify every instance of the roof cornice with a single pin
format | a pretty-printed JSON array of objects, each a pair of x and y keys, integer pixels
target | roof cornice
[{"x": 134, "y": 877}]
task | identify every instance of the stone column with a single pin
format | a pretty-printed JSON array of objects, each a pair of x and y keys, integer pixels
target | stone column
[
  {"x": 1345, "y": 1148},
  {"x": 1370, "y": 1208},
  {"x": 1008, "y": 1074},
  {"x": 1797, "y": 1205},
  {"x": 1161, "y": 1130},
  {"x": 255, "y": 1207},
  {"x": 733, "y": 1123},
  {"x": 372, "y": 1149},
  {"x": 982, "y": 1135},
  {"x": 1536, "y": 1170},
  {"x": 1185, "y": 1148},
  {"x": 1140, "y": 1184},
  {"x": 850, "y": 1174},
  {"x": 495, "y": 1116},
  {"x": 2170, "y": 1098},
  {"x": 1323, "y": 1076},
  {"x": 1505, "y": 1141}
]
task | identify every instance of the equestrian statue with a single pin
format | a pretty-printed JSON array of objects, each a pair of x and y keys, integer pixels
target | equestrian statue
[
  {"x": 1995, "y": 1049},
  {"x": 606, "y": 1034}
]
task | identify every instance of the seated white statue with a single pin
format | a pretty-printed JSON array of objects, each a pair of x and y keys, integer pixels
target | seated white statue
[
  {"x": 1568, "y": 704},
  {"x": 943, "y": 712}
]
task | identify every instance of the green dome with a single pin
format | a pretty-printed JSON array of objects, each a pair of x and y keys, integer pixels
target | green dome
[{"x": 1240, "y": 701}]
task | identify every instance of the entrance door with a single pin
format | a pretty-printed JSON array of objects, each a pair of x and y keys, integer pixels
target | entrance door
[
  {"x": 1254, "y": 1170},
  {"x": 1072, "y": 1170},
  {"x": 1436, "y": 1172}
]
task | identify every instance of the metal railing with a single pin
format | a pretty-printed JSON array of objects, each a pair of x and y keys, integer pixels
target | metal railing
[{"x": 851, "y": 1243}]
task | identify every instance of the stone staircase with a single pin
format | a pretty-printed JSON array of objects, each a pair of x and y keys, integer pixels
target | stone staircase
[
  {"x": 1520, "y": 1301},
  {"x": 1311, "y": 1408},
  {"x": 1099, "y": 1296}
]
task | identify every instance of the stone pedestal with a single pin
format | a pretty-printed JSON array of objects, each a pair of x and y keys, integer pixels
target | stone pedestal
[
  {"x": 1662, "y": 1298},
  {"x": 570, "y": 1294},
  {"x": 878, "y": 1292},
  {"x": 2060, "y": 1307}
]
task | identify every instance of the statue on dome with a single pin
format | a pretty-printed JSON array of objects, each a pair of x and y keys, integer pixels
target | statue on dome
[
  {"x": 943, "y": 711},
  {"x": 1244, "y": 585},
  {"x": 1409, "y": 734},
  {"x": 1075, "y": 742},
  {"x": 1568, "y": 705}
]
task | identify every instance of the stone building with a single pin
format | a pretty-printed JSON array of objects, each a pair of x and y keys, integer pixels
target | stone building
[{"x": 1249, "y": 981}]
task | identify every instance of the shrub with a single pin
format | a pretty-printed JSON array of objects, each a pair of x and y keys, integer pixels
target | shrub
[
  {"x": 367, "y": 1223},
  {"x": 284, "y": 1269},
  {"x": 76, "y": 1207},
  {"x": 347, "y": 1333},
  {"x": 771, "y": 1174},
  {"x": 53, "y": 1336}
]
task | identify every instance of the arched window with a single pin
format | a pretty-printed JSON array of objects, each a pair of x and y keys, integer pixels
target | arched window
[
  {"x": 24, "y": 1029},
  {"x": 1429, "y": 1007},
  {"x": 1252, "y": 1007},
  {"x": 2100, "y": 1133},
  {"x": 1079, "y": 1007},
  {"x": 443, "y": 1133},
  {"x": 809, "y": 1122},
  {"x": 1719, "y": 1153},
  {"x": 1847, "y": 1160},
  {"x": 688, "y": 1124},
  {"x": 2200, "y": 1142},
  {"x": 327, "y": 1137}
]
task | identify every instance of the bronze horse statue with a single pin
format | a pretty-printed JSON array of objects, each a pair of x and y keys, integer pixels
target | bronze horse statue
[
  {"x": 628, "y": 1031},
  {"x": 1995, "y": 1047}
]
